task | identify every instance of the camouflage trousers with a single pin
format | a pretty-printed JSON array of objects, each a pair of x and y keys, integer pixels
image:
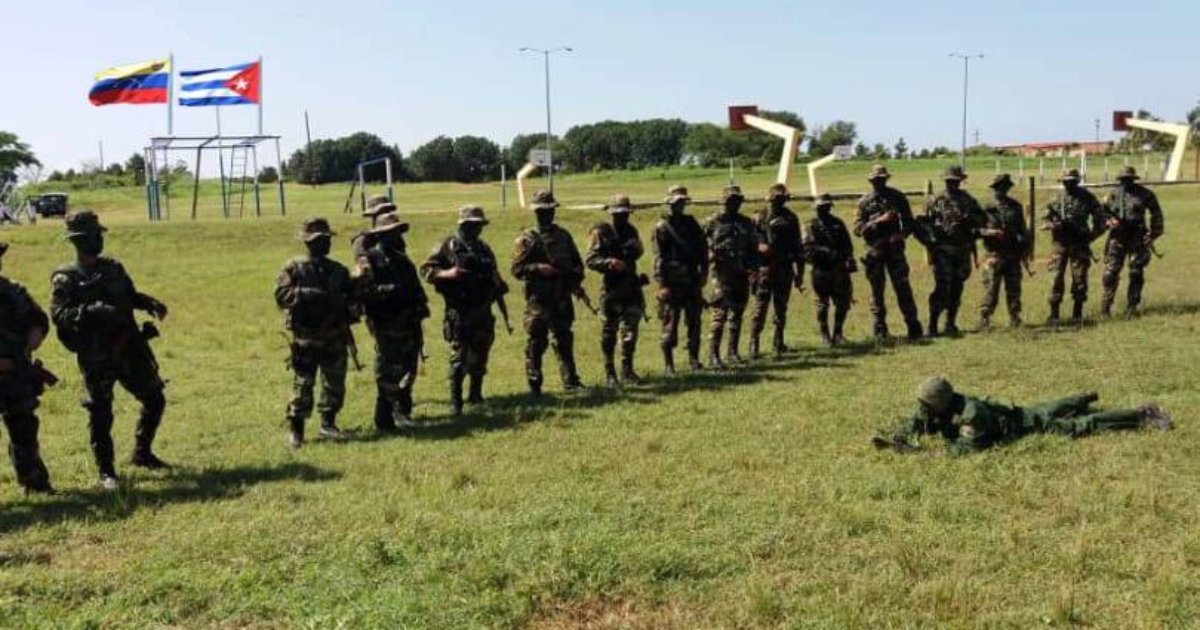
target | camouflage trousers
[
  {"x": 1115, "y": 255},
  {"x": 21, "y": 422},
  {"x": 549, "y": 325},
  {"x": 731, "y": 294},
  {"x": 834, "y": 287},
  {"x": 1079, "y": 259},
  {"x": 878, "y": 269},
  {"x": 772, "y": 289},
  {"x": 308, "y": 363},
  {"x": 685, "y": 304},
  {"x": 621, "y": 321},
  {"x": 951, "y": 270},
  {"x": 137, "y": 373},
  {"x": 396, "y": 361},
  {"x": 1001, "y": 269},
  {"x": 1072, "y": 416},
  {"x": 471, "y": 334}
]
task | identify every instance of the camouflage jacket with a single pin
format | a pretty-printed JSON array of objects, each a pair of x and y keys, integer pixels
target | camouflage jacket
[
  {"x": 19, "y": 315},
  {"x": 551, "y": 246},
  {"x": 394, "y": 302},
  {"x": 873, "y": 205},
  {"x": 480, "y": 284},
  {"x": 83, "y": 327},
  {"x": 971, "y": 424},
  {"x": 827, "y": 244},
  {"x": 1075, "y": 219},
  {"x": 780, "y": 231},
  {"x": 317, "y": 295},
  {"x": 955, "y": 219},
  {"x": 1006, "y": 214},
  {"x": 1130, "y": 208},
  {"x": 606, "y": 241},
  {"x": 680, "y": 252},
  {"x": 733, "y": 243}
]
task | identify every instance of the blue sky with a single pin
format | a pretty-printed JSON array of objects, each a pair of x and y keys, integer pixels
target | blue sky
[{"x": 409, "y": 71}]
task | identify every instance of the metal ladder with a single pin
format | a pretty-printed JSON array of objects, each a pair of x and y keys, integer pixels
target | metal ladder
[{"x": 239, "y": 165}]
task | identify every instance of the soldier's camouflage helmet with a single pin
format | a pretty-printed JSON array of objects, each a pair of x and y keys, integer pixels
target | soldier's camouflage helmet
[
  {"x": 377, "y": 205},
  {"x": 878, "y": 171},
  {"x": 314, "y": 228},
  {"x": 1070, "y": 175},
  {"x": 83, "y": 223},
  {"x": 824, "y": 200},
  {"x": 936, "y": 393},
  {"x": 732, "y": 192},
  {"x": 543, "y": 200},
  {"x": 778, "y": 191},
  {"x": 388, "y": 222},
  {"x": 471, "y": 214},
  {"x": 955, "y": 173},
  {"x": 1003, "y": 180},
  {"x": 676, "y": 194},
  {"x": 619, "y": 204},
  {"x": 1128, "y": 173}
]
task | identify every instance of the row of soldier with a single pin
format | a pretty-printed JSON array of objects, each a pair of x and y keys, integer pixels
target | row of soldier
[{"x": 93, "y": 299}]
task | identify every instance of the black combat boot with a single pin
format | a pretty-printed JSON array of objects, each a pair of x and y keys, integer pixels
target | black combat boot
[
  {"x": 147, "y": 428},
  {"x": 914, "y": 330},
  {"x": 610, "y": 373},
  {"x": 668, "y": 362},
  {"x": 1077, "y": 313},
  {"x": 1106, "y": 308},
  {"x": 295, "y": 433},
  {"x": 823, "y": 326},
  {"x": 329, "y": 429},
  {"x": 714, "y": 351},
  {"x": 839, "y": 322},
  {"x": 951, "y": 329},
  {"x": 144, "y": 457},
  {"x": 934, "y": 316},
  {"x": 1014, "y": 321},
  {"x": 734, "y": 355},
  {"x": 475, "y": 395},
  {"x": 985, "y": 323},
  {"x": 881, "y": 331},
  {"x": 628, "y": 375},
  {"x": 1153, "y": 417},
  {"x": 108, "y": 478},
  {"x": 535, "y": 386},
  {"x": 753, "y": 348},
  {"x": 1054, "y": 317},
  {"x": 777, "y": 345},
  {"x": 384, "y": 422},
  {"x": 694, "y": 363},
  {"x": 456, "y": 395}
]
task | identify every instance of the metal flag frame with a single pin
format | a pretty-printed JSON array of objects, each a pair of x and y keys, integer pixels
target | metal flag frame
[{"x": 243, "y": 151}]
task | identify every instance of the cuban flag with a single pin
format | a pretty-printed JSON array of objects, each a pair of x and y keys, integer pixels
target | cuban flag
[{"x": 235, "y": 85}]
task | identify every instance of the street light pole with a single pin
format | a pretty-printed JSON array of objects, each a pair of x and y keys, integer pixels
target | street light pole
[
  {"x": 546, "y": 52},
  {"x": 966, "y": 80}
]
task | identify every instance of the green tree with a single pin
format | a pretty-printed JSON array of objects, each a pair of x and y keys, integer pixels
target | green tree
[
  {"x": 14, "y": 154},
  {"x": 337, "y": 160},
  {"x": 478, "y": 159},
  {"x": 268, "y": 175},
  {"x": 901, "y": 149},
  {"x": 836, "y": 133},
  {"x": 517, "y": 153},
  {"x": 1194, "y": 120},
  {"x": 434, "y": 161},
  {"x": 136, "y": 165},
  {"x": 861, "y": 152},
  {"x": 880, "y": 153}
]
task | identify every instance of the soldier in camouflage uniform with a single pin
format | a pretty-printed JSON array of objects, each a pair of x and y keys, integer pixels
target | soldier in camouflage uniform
[
  {"x": 782, "y": 267},
  {"x": 954, "y": 219},
  {"x": 884, "y": 220},
  {"x": 970, "y": 424},
  {"x": 361, "y": 242},
  {"x": 829, "y": 250},
  {"x": 1129, "y": 238},
  {"x": 464, "y": 270},
  {"x": 733, "y": 246},
  {"x": 613, "y": 251},
  {"x": 681, "y": 270},
  {"x": 316, "y": 293},
  {"x": 92, "y": 304},
  {"x": 1006, "y": 239},
  {"x": 395, "y": 305},
  {"x": 546, "y": 260},
  {"x": 1075, "y": 218},
  {"x": 22, "y": 330}
]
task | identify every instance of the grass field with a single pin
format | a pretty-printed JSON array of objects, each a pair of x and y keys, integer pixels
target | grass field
[{"x": 750, "y": 499}]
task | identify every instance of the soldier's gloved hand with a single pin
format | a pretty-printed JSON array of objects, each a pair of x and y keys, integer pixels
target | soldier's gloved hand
[
  {"x": 616, "y": 265},
  {"x": 800, "y": 283},
  {"x": 156, "y": 308},
  {"x": 664, "y": 294},
  {"x": 100, "y": 310},
  {"x": 451, "y": 274}
]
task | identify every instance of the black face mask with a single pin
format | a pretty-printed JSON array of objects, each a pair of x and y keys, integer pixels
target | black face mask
[
  {"x": 778, "y": 204},
  {"x": 677, "y": 209},
  {"x": 878, "y": 184},
  {"x": 1071, "y": 187},
  {"x": 392, "y": 241},
  {"x": 732, "y": 206},
  {"x": 823, "y": 212},
  {"x": 470, "y": 231},
  {"x": 91, "y": 245},
  {"x": 953, "y": 185},
  {"x": 545, "y": 217},
  {"x": 319, "y": 247},
  {"x": 620, "y": 220}
]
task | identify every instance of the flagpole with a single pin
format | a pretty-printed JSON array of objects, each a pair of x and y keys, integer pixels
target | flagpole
[
  {"x": 171, "y": 94},
  {"x": 260, "y": 95}
]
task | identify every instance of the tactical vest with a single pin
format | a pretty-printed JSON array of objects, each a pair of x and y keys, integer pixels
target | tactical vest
[
  {"x": 732, "y": 241},
  {"x": 106, "y": 283},
  {"x": 477, "y": 288}
]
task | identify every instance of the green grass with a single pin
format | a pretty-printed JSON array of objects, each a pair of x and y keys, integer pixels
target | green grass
[{"x": 742, "y": 500}]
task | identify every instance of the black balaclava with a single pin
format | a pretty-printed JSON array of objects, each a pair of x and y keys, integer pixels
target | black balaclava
[
  {"x": 545, "y": 217},
  {"x": 470, "y": 230},
  {"x": 319, "y": 247},
  {"x": 90, "y": 244}
]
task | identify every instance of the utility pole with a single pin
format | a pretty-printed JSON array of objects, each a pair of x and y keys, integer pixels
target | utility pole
[
  {"x": 546, "y": 52},
  {"x": 966, "y": 59},
  {"x": 308, "y": 154},
  {"x": 977, "y": 136},
  {"x": 1097, "y": 131}
]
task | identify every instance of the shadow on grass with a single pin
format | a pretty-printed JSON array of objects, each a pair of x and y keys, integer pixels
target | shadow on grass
[{"x": 180, "y": 486}]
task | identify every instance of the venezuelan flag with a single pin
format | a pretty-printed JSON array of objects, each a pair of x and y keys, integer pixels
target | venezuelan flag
[{"x": 137, "y": 83}]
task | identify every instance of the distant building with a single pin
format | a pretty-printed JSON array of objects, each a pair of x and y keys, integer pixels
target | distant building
[{"x": 1057, "y": 149}]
